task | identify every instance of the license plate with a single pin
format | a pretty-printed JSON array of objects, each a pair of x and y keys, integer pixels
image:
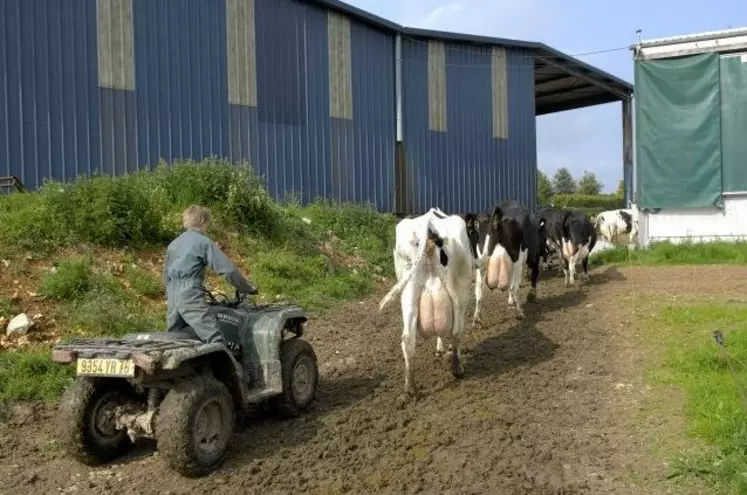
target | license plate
[{"x": 106, "y": 367}]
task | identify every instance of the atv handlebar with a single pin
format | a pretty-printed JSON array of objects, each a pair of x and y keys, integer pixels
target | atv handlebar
[{"x": 239, "y": 298}]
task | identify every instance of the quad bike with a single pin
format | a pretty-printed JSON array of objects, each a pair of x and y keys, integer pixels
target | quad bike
[{"x": 185, "y": 393}]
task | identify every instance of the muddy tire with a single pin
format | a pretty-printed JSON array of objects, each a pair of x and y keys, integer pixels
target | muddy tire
[
  {"x": 86, "y": 428},
  {"x": 195, "y": 425},
  {"x": 300, "y": 378}
]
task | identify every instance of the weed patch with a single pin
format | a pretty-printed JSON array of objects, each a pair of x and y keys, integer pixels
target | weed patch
[{"x": 70, "y": 280}]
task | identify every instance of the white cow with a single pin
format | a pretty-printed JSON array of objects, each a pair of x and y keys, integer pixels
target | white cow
[
  {"x": 611, "y": 223},
  {"x": 433, "y": 263}
]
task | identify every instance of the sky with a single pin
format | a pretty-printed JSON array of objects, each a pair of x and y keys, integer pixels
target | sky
[{"x": 588, "y": 138}]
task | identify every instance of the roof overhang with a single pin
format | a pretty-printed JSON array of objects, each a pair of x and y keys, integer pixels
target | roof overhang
[
  {"x": 561, "y": 82},
  {"x": 724, "y": 41}
]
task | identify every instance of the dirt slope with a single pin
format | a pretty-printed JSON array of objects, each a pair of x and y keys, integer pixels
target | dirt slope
[{"x": 544, "y": 408}]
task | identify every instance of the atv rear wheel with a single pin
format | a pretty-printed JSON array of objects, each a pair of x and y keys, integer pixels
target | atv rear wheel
[
  {"x": 86, "y": 423},
  {"x": 195, "y": 425},
  {"x": 300, "y": 377}
]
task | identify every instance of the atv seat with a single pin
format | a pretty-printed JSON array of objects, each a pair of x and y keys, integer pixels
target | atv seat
[{"x": 161, "y": 336}]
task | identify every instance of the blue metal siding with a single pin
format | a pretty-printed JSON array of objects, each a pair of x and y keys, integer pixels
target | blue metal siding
[
  {"x": 465, "y": 168},
  {"x": 297, "y": 146},
  {"x": 374, "y": 126},
  {"x": 49, "y": 99},
  {"x": 181, "y": 88},
  {"x": 56, "y": 122}
]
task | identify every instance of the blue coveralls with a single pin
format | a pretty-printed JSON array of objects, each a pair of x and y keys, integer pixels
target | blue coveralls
[{"x": 184, "y": 276}]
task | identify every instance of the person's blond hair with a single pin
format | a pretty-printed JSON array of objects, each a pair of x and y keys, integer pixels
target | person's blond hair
[{"x": 196, "y": 217}]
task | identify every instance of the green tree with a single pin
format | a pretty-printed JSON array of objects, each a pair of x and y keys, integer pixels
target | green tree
[
  {"x": 588, "y": 184},
  {"x": 620, "y": 188},
  {"x": 544, "y": 188},
  {"x": 562, "y": 182}
]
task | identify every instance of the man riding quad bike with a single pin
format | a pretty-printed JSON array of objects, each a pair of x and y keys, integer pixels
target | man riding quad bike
[
  {"x": 184, "y": 276},
  {"x": 184, "y": 387}
]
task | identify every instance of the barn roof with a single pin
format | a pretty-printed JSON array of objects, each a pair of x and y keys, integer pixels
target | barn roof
[{"x": 561, "y": 81}]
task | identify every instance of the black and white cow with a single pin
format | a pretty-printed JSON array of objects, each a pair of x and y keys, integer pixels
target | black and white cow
[
  {"x": 549, "y": 221},
  {"x": 434, "y": 272},
  {"x": 506, "y": 238},
  {"x": 574, "y": 235}
]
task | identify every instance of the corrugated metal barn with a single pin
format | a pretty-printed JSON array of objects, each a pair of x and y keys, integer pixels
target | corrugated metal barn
[{"x": 322, "y": 98}]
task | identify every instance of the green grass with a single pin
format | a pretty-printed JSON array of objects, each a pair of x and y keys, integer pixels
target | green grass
[
  {"x": 336, "y": 256},
  {"x": 716, "y": 412},
  {"x": 665, "y": 253}
]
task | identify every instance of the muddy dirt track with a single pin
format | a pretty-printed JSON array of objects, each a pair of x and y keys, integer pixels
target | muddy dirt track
[{"x": 545, "y": 407}]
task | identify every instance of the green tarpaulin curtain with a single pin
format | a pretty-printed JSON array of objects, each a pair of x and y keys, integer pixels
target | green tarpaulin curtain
[
  {"x": 678, "y": 132},
  {"x": 734, "y": 123}
]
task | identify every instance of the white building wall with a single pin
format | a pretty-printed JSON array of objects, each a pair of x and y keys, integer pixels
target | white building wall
[{"x": 696, "y": 224}]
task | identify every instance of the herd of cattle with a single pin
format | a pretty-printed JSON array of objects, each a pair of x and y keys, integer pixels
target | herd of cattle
[{"x": 438, "y": 256}]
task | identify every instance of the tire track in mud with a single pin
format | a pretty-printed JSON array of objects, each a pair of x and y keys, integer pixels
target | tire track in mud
[{"x": 537, "y": 412}]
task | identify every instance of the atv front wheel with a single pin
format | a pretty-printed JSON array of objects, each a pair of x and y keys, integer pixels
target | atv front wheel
[
  {"x": 300, "y": 377},
  {"x": 194, "y": 426},
  {"x": 86, "y": 427}
]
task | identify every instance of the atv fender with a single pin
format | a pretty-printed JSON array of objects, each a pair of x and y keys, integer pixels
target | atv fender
[{"x": 223, "y": 364}]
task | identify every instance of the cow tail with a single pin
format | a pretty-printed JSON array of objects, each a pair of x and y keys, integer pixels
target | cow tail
[{"x": 422, "y": 237}]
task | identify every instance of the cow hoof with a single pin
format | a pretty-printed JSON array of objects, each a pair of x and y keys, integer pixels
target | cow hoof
[
  {"x": 531, "y": 297},
  {"x": 520, "y": 316}
]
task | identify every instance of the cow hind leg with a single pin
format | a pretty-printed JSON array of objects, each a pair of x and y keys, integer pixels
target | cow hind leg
[
  {"x": 515, "y": 287},
  {"x": 476, "y": 317},
  {"x": 409, "y": 335},
  {"x": 457, "y": 366},
  {"x": 585, "y": 265},
  {"x": 532, "y": 295},
  {"x": 566, "y": 270}
]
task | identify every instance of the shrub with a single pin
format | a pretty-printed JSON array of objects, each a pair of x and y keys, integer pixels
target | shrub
[
  {"x": 108, "y": 211},
  {"x": 137, "y": 209},
  {"x": 71, "y": 280},
  {"x": 590, "y": 204},
  {"x": 234, "y": 192}
]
